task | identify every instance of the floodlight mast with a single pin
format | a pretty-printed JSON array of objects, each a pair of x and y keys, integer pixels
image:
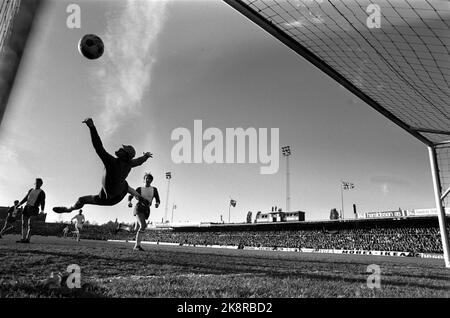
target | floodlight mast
[
  {"x": 168, "y": 177},
  {"x": 303, "y": 51},
  {"x": 286, "y": 150}
]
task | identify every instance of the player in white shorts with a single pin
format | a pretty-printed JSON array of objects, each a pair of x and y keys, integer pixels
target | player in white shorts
[
  {"x": 66, "y": 231},
  {"x": 79, "y": 221},
  {"x": 35, "y": 198},
  {"x": 12, "y": 214},
  {"x": 142, "y": 208}
]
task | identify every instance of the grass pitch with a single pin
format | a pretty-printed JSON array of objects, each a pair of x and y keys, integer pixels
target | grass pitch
[{"x": 115, "y": 270}]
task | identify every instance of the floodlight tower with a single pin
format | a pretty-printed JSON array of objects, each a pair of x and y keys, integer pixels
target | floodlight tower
[
  {"x": 168, "y": 177},
  {"x": 286, "y": 151},
  {"x": 174, "y": 206}
]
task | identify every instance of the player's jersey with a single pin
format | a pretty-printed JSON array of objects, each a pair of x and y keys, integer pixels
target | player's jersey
[
  {"x": 148, "y": 193},
  {"x": 79, "y": 220},
  {"x": 15, "y": 212},
  {"x": 33, "y": 197}
]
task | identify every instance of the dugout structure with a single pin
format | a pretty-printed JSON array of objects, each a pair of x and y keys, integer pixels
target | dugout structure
[{"x": 392, "y": 54}]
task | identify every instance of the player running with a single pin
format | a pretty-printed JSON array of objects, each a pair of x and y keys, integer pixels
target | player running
[
  {"x": 142, "y": 208},
  {"x": 79, "y": 221},
  {"x": 114, "y": 184},
  {"x": 34, "y": 198},
  {"x": 66, "y": 231},
  {"x": 12, "y": 214}
]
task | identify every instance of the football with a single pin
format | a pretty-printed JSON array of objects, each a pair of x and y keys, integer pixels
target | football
[{"x": 91, "y": 46}]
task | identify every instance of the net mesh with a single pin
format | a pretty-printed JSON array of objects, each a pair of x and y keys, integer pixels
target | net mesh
[
  {"x": 443, "y": 157},
  {"x": 8, "y": 10},
  {"x": 404, "y": 65}
]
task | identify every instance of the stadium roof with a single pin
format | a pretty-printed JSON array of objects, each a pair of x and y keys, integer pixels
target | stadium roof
[
  {"x": 402, "y": 68},
  {"x": 310, "y": 225}
]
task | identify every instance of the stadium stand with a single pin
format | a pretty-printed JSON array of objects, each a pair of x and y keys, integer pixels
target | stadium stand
[
  {"x": 417, "y": 234},
  {"x": 423, "y": 240}
]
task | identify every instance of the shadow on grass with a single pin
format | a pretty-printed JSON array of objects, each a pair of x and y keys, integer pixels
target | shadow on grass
[
  {"x": 234, "y": 264},
  {"x": 35, "y": 290}
]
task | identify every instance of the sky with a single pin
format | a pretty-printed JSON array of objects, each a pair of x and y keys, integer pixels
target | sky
[{"x": 167, "y": 64}]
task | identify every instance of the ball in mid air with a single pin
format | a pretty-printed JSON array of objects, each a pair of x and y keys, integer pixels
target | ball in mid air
[{"x": 91, "y": 46}]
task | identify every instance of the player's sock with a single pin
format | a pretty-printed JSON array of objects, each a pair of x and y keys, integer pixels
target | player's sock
[
  {"x": 8, "y": 229},
  {"x": 138, "y": 239}
]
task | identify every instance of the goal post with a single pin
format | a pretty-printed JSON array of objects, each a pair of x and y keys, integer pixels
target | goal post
[
  {"x": 399, "y": 67},
  {"x": 440, "y": 208}
]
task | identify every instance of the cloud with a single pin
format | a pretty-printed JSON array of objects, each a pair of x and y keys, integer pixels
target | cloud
[
  {"x": 385, "y": 188},
  {"x": 14, "y": 171},
  {"x": 304, "y": 21},
  {"x": 386, "y": 183},
  {"x": 387, "y": 180},
  {"x": 9, "y": 154},
  {"x": 295, "y": 24},
  {"x": 304, "y": 3},
  {"x": 21, "y": 160},
  {"x": 308, "y": 15},
  {"x": 124, "y": 75}
]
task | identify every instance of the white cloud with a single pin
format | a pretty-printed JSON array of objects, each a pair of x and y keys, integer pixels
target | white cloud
[
  {"x": 126, "y": 67},
  {"x": 381, "y": 180},
  {"x": 9, "y": 154},
  {"x": 385, "y": 189},
  {"x": 304, "y": 21},
  {"x": 295, "y": 24},
  {"x": 14, "y": 173},
  {"x": 304, "y": 3}
]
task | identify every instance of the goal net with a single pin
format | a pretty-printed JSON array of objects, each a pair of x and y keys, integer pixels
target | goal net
[
  {"x": 8, "y": 10},
  {"x": 393, "y": 54}
]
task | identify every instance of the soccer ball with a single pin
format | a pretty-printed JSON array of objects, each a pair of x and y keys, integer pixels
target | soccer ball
[{"x": 91, "y": 46}]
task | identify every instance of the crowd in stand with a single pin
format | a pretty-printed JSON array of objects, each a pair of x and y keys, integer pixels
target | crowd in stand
[
  {"x": 403, "y": 239},
  {"x": 426, "y": 240}
]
